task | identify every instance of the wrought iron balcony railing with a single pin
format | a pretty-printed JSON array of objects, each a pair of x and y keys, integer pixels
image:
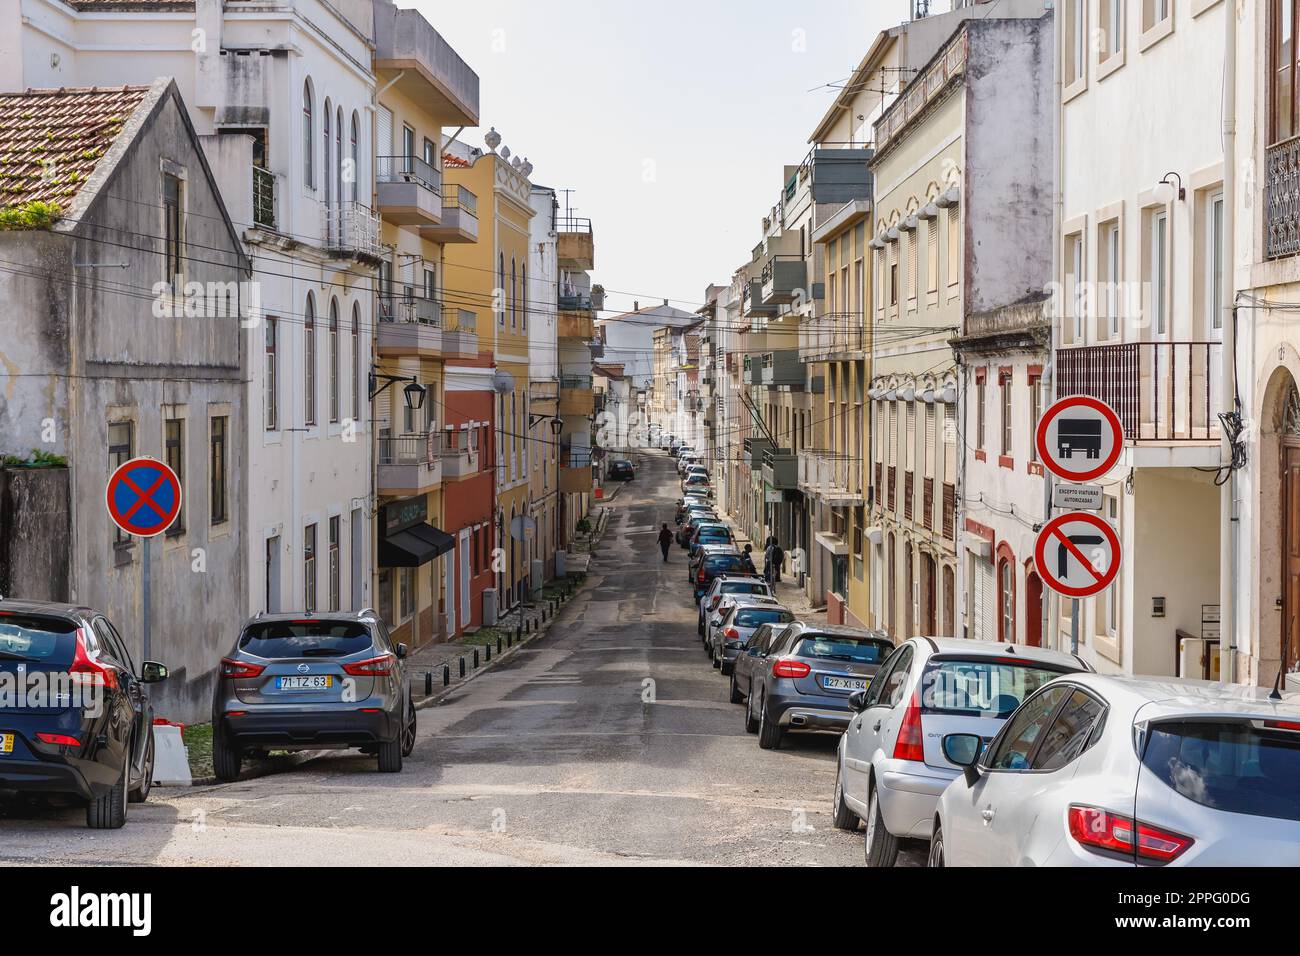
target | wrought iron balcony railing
[
  {"x": 263, "y": 198},
  {"x": 408, "y": 169}
]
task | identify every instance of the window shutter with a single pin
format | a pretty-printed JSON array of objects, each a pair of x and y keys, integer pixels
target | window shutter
[
  {"x": 911, "y": 437},
  {"x": 384, "y": 133},
  {"x": 950, "y": 444},
  {"x": 929, "y": 441}
]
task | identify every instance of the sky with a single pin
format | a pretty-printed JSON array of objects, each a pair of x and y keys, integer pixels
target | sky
[{"x": 670, "y": 121}]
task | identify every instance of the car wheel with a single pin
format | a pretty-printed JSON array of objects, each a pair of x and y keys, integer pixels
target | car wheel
[
  {"x": 699, "y": 626},
  {"x": 226, "y": 760},
  {"x": 141, "y": 793},
  {"x": 735, "y": 691},
  {"x": 727, "y": 667},
  {"x": 717, "y": 661},
  {"x": 408, "y": 734},
  {"x": 844, "y": 818},
  {"x": 936, "y": 850},
  {"x": 880, "y": 845},
  {"x": 390, "y": 756},
  {"x": 109, "y": 811},
  {"x": 751, "y": 722},
  {"x": 769, "y": 732}
]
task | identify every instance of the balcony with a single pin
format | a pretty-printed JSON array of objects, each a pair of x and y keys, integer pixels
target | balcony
[
  {"x": 784, "y": 279},
  {"x": 459, "y": 460},
  {"x": 575, "y": 470},
  {"x": 461, "y": 338},
  {"x": 575, "y": 323},
  {"x": 835, "y": 478},
  {"x": 263, "y": 198},
  {"x": 754, "y": 449},
  {"x": 833, "y": 336},
  {"x": 753, "y": 374},
  {"x": 752, "y": 304},
  {"x": 408, "y": 190},
  {"x": 1163, "y": 392},
  {"x": 1282, "y": 198},
  {"x": 577, "y": 398},
  {"x": 425, "y": 68},
  {"x": 409, "y": 325},
  {"x": 575, "y": 244},
  {"x": 351, "y": 231},
  {"x": 781, "y": 468},
  {"x": 783, "y": 367},
  {"x": 459, "y": 217},
  {"x": 409, "y": 464},
  {"x": 840, "y": 172}
]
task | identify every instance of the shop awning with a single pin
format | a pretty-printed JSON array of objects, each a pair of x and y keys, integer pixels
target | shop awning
[{"x": 414, "y": 546}]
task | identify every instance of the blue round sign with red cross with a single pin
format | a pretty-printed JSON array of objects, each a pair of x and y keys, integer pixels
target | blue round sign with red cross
[{"x": 143, "y": 497}]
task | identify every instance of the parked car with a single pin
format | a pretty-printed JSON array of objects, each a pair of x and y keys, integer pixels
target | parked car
[
  {"x": 620, "y": 470},
  {"x": 686, "y": 530},
  {"x": 688, "y": 463},
  {"x": 742, "y": 618},
  {"x": 807, "y": 677},
  {"x": 890, "y": 767},
  {"x": 83, "y": 729},
  {"x": 710, "y": 533},
  {"x": 730, "y": 584},
  {"x": 705, "y": 551},
  {"x": 713, "y": 564},
  {"x": 693, "y": 503},
  {"x": 699, "y": 481},
  {"x": 1124, "y": 771},
  {"x": 313, "y": 682},
  {"x": 749, "y": 661},
  {"x": 724, "y": 607}
]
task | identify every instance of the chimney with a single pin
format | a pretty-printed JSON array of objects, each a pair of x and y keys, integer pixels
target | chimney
[{"x": 636, "y": 306}]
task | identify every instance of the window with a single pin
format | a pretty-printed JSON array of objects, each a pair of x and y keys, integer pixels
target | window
[
  {"x": 334, "y": 527},
  {"x": 1111, "y": 277},
  {"x": 217, "y": 468},
  {"x": 1070, "y": 733},
  {"x": 309, "y": 362},
  {"x": 1110, "y": 597},
  {"x": 1035, "y": 412},
  {"x": 1282, "y": 64},
  {"x": 308, "y": 137},
  {"x": 309, "y": 568},
  {"x": 893, "y": 283},
  {"x": 325, "y": 156},
  {"x": 408, "y": 145},
  {"x": 386, "y": 596},
  {"x": 932, "y": 255},
  {"x": 121, "y": 442},
  {"x": 514, "y": 296},
  {"x": 1016, "y": 744},
  {"x": 1159, "y": 272},
  {"x": 1007, "y": 420},
  {"x": 356, "y": 361},
  {"x": 405, "y": 593},
  {"x": 1076, "y": 40},
  {"x": 338, "y": 155},
  {"x": 430, "y": 152},
  {"x": 174, "y": 450},
  {"x": 1214, "y": 260},
  {"x": 1156, "y": 12},
  {"x": 1007, "y": 601},
  {"x": 980, "y": 411},
  {"x": 1112, "y": 26},
  {"x": 334, "y": 360},
  {"x": 272, "y": 398},
  {"x": 1076, "y": 301},
  {"x": 913, "y": 251},
  {"x": 501, "y": 290},
  {"x": 355, "y": 171},
  {"x": 523, "y": 291},
  {"x": 954, "y": 246},
  {"x": 173, "y": 233}
]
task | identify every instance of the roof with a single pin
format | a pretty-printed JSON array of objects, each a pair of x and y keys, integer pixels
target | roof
[
  {"x": 138, "y": 5},
  {"x": 1166, "y": 696},
  {"x": 961, "y": 645},
  {"x": 52, "y": 140},
  {"x": 612, "y": 372}
]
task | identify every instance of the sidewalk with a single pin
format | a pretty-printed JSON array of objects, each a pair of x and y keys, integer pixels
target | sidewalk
[{"x": 787, "y": 590}]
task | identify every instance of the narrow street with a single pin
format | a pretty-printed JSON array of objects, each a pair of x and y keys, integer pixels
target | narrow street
[{"x": 552, "y": 757}]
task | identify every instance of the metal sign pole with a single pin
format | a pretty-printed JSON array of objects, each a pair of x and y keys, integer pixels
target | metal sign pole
[{"x": 146, "y": 597}]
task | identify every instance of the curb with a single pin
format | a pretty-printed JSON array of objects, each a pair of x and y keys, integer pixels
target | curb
[{"x": 267, "y": 767}]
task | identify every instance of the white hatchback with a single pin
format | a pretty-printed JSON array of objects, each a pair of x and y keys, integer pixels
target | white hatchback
[{"x": 1127, "y": 771}]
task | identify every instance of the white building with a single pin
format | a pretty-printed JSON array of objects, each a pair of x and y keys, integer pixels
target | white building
[
  {"x": 628, "y": 338},
  {"x": 282, "y": 95}
]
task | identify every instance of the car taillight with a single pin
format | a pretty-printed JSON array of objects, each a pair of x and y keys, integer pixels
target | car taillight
[
  {"x": 87, "y": 671},
  {"x": 233, "y": 668},
  {"x": 380, "y": 666},
  {"x": 783, "y": 667},
  {"x": 1102, "y": 830},
  {"x": 731, "y": 634},
  {"x": 58, "y": 740},
  {"x": 910, "y": 744},
  {"x": 1281, "y": 725},
  {"x": 700, "y": 576}
]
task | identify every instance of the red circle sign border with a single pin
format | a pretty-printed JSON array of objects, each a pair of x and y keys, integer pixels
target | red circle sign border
[
  {"x": 166, "y": 471},
  {"x": 1048, "y": 532},
  {"x": 1074, "y": 401}
]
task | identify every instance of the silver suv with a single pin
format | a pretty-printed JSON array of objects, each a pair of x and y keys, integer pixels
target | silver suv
[{"x": 313, "y": 682}]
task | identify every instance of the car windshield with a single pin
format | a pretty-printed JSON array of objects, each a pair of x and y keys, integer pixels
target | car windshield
[
  {"x": 26, "y": 637},
  {"x": 744, "y": 587},
  {"x": 754, "y": 616},
  {"x": 985, "y": 688},
  {"x": 1238, "y": 766},
  {"x": 719, "y": 534},
  {"x": 844, "y": 647},
  {"x": 716, "y": 563},
  {"x": 305, "y": 638}
]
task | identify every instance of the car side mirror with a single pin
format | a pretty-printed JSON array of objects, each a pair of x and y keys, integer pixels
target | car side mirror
[
  {"x": 401, "y": 652},
  {"x": 151, "y": 672},
  {"x": 858, "y": 700},
  {"x": 964, "y": 750}
]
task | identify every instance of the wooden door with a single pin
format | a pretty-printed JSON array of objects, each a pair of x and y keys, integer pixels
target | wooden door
[{"x": 1290, "y": 549}]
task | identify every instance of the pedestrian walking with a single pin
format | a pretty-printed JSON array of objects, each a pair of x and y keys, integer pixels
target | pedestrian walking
[
  {"x": 747, "y": 559},
  {"x": 665, "y": 541},
  {"x": 778, "y": 562},
  {"x": 768, "y": 567}
]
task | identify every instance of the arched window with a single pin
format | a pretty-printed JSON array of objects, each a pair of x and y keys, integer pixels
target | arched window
[
  {"x": 356, "y": 362},
  {"x": 334, "y": 360},
  {"x": 356, "y": 154},
  {"x": 309, "y": 362},
  {"x": 326, "y": 177},
  {"x": 308, "y": 136},
  {"x": 1006, "y": 595},
  {"x": 514, "y": 295},
  {"x": 523, "y": 306},
  {"x": 501, "y": 289},
  {"x": 338, "y": 154}
]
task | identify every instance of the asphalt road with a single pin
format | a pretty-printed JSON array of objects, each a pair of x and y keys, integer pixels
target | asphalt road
[{"x": 608, "y": 741}]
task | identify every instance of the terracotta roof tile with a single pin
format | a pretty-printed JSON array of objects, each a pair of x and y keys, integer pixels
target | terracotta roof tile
[
  {"x": 52, "y": 140},
  {"x": 454, "y": 162}
]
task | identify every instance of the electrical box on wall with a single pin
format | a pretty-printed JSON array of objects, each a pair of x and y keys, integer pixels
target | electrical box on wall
[{"x": 1157, "y": 607}]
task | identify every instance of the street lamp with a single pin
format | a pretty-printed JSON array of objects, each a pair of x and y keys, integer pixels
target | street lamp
[
  {"x": 1165, "y": 190},
  {"x": 414, "y": 392},
  {"x": 557, "y": 424}
]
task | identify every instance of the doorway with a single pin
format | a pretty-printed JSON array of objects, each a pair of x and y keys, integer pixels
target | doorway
[
  {"x": 273, "y": 575},
  {"x": 1033, "y": 609},
  {"x": 1290, "y": 550}
]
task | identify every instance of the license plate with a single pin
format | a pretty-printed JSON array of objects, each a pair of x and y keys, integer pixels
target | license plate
[
  {"x": 323, "y": 682},
  {"x": 6, "y": 743},
  {"x": 844, "y": 683}
]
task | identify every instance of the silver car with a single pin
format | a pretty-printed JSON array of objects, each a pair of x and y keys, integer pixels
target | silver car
[
  {"x": 891, "y": 768},
  {"x": 728, "y": 584},
  {"x": 737, "y": 619},
  {"x": 1203, "y": 774},
  {"x": 313, "y": 682}
]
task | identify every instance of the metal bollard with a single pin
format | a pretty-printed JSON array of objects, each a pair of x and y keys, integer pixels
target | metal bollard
[
  {"x": 517, "y": 633},
  {"x": 462, "y": 666},
  {"x": 446, "y": 674},
  {"x": 499, "y": 641},
  {"x": 476, "y": 657},
  {"x": 487, "y": 651},
  {"x": 428, "y": 682}
]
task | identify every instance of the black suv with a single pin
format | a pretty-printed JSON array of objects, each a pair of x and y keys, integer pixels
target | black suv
[{"x": 77, "y": 723}]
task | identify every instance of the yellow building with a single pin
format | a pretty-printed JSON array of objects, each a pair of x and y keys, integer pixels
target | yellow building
[
  {"x": 491, "y": 281},
  {"x": 416, "y": 327}
]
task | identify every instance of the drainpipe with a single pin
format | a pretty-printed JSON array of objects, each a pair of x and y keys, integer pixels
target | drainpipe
[
  {"x": 1048, "y": 382},
  {"x": 1228, "y": 518}
]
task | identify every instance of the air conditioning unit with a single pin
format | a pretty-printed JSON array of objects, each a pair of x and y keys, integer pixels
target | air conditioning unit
[{"x": 490, "y": 607}]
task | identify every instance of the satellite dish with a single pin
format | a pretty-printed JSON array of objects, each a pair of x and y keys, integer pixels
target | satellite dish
[{"x": 503, "y": 382}]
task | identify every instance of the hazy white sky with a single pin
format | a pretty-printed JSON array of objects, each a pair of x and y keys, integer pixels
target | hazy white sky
[{"x": 670, "y": 120}]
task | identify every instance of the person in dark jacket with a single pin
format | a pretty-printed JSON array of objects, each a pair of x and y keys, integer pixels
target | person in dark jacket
[
  {"x": 778, "y": 562},
  {"x": 665, "y": 542},
  {"x": 747, "y": 559}
]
